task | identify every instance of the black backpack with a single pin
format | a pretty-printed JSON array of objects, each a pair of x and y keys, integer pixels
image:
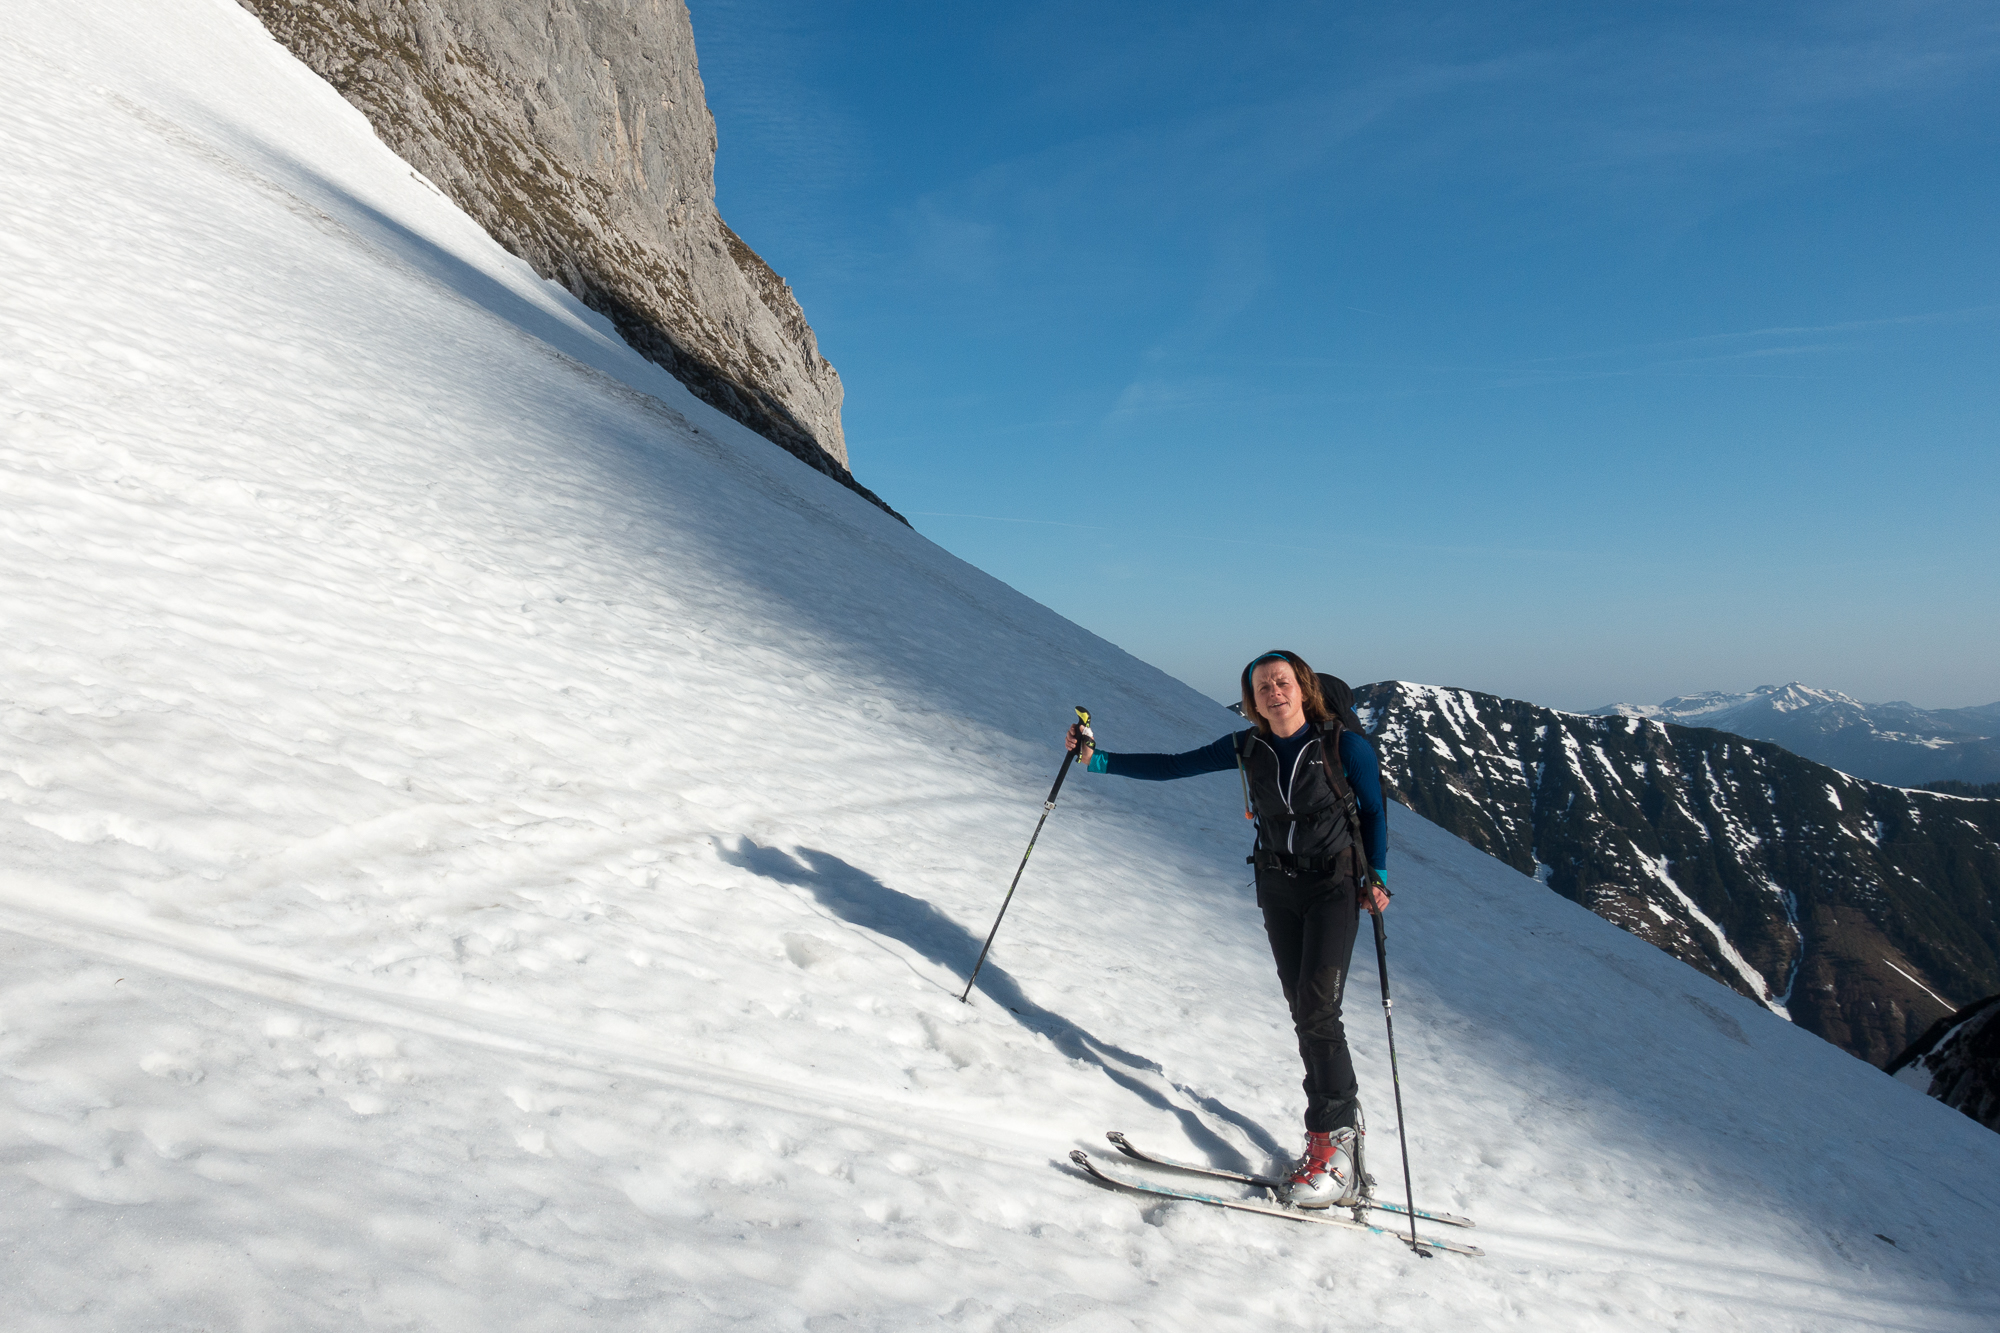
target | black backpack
[{"x": 1339, "y": 698}]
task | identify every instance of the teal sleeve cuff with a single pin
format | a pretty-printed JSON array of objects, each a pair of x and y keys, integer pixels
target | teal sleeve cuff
[{"x": 1097, "y": 764}]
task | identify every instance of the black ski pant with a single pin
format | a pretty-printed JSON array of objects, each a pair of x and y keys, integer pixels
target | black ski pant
[{"x": 1312, "y": 921}]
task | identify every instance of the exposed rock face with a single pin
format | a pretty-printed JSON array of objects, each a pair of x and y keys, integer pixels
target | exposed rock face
[
  {"x": 1958, "y": 1061},
  {"x": 578, "y": 134},
  {"x": 1831, "y": 899}
]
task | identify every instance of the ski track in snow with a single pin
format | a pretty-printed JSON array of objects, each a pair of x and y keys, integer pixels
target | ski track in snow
[{"x": 490, "y": 843}]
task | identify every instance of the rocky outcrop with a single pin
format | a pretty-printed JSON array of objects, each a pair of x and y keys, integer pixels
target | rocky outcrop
[
  {"x": 1958, "y": 1061},
  {"x": 1860, "y": 911},
  {"x": 578, "y": 134}
]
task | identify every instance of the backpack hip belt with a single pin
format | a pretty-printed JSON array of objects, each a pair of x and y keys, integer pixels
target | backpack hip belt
[{"x": 1346, "y": 860}]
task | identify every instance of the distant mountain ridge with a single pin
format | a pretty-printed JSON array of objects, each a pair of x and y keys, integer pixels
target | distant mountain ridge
[
  {"x": 1861, "y": 911},
  {"x": 1896, "y": 743}
]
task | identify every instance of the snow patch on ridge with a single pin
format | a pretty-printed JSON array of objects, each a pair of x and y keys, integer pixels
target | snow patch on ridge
[{"x": 1657, "y": 867}]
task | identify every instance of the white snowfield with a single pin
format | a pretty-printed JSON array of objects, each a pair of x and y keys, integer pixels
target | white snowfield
[{"x": 486, "y": 843}]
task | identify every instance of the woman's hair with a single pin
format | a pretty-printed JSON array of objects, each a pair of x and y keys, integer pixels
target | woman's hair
[{"x": 1309, "y": 691}]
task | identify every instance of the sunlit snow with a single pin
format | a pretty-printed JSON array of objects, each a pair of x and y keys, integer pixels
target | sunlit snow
[{"x": 488, "y": 844}]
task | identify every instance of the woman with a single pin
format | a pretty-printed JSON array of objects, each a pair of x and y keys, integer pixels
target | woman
[{"x": 1322, "y": 845}]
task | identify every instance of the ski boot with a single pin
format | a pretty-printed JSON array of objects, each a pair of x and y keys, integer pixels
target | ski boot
[
  {"x": 1364, "y": 1181},
  {"x": 1326, "y": 1176}
]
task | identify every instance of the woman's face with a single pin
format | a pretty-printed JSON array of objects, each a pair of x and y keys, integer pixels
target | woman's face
[{"x": 1276, "y": 690}]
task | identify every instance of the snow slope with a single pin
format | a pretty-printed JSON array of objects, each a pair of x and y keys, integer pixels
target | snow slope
[{"x": 487, "y": 843}]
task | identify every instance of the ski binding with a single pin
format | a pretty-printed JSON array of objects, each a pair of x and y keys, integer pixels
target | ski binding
[
  {"x": 1112, "y": 1178},
  {"x": 1137, "y": 1154}
]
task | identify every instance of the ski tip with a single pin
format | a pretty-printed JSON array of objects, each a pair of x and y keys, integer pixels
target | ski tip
[
  {"x": 1080, "y": 1157},
  {"x": 1119, "y": 1141}
]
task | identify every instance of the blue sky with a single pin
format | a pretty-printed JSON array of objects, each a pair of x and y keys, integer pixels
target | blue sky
[{"x": 1576, "y": 353}]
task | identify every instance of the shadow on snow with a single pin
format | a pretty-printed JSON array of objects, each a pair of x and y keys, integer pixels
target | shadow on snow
[{"x": 860, "y": 899}]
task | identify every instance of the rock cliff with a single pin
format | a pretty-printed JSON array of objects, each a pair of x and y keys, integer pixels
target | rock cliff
[{"x": 578, "y": 134}]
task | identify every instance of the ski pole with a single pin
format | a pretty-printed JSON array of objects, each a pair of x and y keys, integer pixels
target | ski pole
[
  {"x": 1389, "y": 1025},
  {"x": 1083, "y": 720}
]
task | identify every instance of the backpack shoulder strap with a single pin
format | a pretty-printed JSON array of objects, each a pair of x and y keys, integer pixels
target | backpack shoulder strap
[
  {"x": 1242, "y": 753},
  {"x": 1336, "y": 774},
  {"x": 1329, "y": 752}
]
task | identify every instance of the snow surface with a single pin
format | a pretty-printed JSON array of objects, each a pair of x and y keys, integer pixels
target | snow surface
[{"x": 487, "y": 843}]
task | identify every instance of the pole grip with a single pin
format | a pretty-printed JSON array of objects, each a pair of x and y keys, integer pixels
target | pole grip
[{"x": 1381, "y": 955}]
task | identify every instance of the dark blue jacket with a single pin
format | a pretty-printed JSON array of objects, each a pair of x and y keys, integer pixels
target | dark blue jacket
[{"x": 1357, "y": 756}]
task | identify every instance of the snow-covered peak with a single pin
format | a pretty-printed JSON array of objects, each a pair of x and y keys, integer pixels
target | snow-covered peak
[
  {"x": 1701, "y": 709},
  {"x": 1788, "y": 698},
  {"x": 1890, "y": 742}
]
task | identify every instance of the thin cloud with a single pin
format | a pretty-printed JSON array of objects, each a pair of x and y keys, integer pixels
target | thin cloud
[{"x": 1845, "y": 326}]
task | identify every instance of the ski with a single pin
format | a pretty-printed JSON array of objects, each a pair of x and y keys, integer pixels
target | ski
[
  {"x": 1125, "y": 1145},
  {"x": 1082, "y": 1159}
]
